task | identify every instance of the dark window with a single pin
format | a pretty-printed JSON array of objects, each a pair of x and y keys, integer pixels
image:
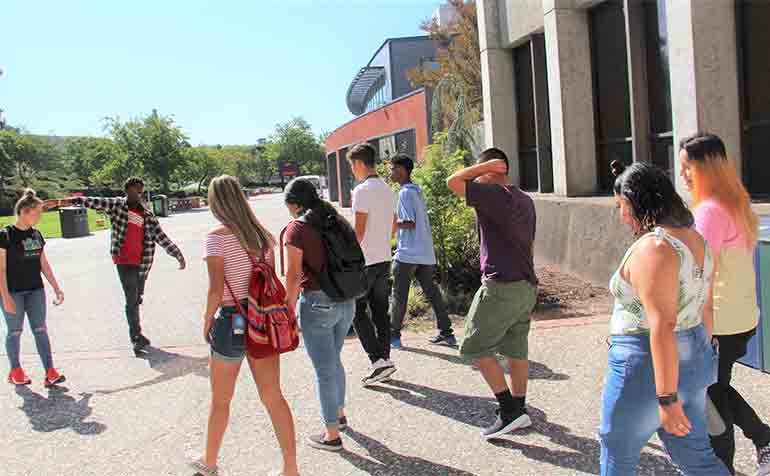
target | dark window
[
  {"x": 346, "y": 178},
  {"x": 331, "y": 167},
  {"x": 611, "y": 91},
  {"x": 533, "y": 116},
  {"x": 754, "y": 38},
  {"x": 659, "y": 85},
  {"x": 525, "y": 117},
  {"x": 387, "y": 147},
  {"x": 406, "y": 143}
]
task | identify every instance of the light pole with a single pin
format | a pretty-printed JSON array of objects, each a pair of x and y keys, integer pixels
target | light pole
[{"x": 2, "y": 118}]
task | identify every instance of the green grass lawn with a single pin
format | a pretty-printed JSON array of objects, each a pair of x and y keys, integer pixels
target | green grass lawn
[{"x": 49, "y": 225}]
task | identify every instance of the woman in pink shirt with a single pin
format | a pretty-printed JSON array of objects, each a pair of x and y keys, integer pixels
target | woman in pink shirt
[
  {"x": 723, "y": 215},
  {"x": 230, "y": 249}
]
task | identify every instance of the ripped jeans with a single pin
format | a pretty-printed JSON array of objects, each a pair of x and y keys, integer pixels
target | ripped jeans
[
  {"x": 32, "y": 304},
  {"x": 325, "y": 324}
]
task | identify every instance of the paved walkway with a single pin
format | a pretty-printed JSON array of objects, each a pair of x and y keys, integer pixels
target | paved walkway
[{"x": 120, "y": 415}]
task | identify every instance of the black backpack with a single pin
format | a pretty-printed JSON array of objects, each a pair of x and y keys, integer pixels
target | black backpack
[{"x": 343, "y": 277}]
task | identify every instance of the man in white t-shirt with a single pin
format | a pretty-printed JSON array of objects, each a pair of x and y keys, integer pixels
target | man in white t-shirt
[{"x": 374, "y": 205}]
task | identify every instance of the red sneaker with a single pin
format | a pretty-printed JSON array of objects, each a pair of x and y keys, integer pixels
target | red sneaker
[
  {"x": 53, "y": 377},
  {"x": 18, "y": 377}
]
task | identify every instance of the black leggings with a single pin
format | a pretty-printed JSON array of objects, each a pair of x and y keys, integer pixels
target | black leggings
[{"x": 733, "y": 409}]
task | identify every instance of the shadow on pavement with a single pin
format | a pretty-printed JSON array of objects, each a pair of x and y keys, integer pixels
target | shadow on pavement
[
  {"x": 468, "y": 410},
  {"x": 580, "y": 453},
  {"x": 385, "y": 461},
  {"x": 59, "y": 411},
  {"x": 169, "y": 365},
  {"x": 537, "y": 371}
]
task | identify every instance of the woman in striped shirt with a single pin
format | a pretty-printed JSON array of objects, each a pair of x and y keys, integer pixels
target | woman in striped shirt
[{"x": 230, "y": 249}]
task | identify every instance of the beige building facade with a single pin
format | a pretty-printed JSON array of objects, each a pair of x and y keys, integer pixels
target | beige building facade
[{"x": 571, "y": 85}]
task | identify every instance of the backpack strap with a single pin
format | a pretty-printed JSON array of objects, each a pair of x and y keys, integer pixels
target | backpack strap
[
  {"x": 301, "y": 219},
  {"x": 236, "y": 300}
]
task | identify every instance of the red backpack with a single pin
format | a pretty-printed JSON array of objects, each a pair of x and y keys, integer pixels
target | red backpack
[{"x": 272, "y": 325}]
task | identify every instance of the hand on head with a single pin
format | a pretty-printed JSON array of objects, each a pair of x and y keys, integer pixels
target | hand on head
[{"x": 498, "y": 167}]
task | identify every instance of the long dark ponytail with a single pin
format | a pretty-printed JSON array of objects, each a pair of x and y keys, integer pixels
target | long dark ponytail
[{"x": 318, "y": 212}]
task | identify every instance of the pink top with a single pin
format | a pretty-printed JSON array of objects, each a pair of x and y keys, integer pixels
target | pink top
[
  {"x": 718, "y": 227},
  {"x": 735, "y": 291},
  {"x": 238, "y": 265}
]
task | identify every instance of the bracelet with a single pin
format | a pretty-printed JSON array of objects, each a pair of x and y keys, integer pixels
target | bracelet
[{"x": 666, "y": 400}]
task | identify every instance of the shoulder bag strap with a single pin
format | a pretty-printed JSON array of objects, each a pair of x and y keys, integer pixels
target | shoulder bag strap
[{"x": 236, "y": 300}]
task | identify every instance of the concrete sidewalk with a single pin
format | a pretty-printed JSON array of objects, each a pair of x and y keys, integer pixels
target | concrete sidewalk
[
  {"x": 123, "y": 416},
  {"x": 144, "y": 417}
]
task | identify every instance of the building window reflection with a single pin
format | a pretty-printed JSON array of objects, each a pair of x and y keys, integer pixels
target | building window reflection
[
  {"x": 659, "y": 85},
  {"x": 611, "y": 90},
  {"x": 753, "y": 40}
]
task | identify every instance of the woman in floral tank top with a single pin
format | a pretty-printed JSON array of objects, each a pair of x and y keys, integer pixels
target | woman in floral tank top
[{"x": 660, "y": 360}]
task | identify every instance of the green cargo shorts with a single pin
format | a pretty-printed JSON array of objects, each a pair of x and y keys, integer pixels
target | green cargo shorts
[{"x": 498, "y": 320}]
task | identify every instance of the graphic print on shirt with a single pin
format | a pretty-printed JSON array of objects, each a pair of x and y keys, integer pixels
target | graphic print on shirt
[
  {"x": 136, "y": 219},
  {"x": 32, "y": 247}
]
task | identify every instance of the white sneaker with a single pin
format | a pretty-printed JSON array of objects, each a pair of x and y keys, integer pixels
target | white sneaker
[
  {"x": 381, "y": 371},
  {"x": 763, "y": 461}
]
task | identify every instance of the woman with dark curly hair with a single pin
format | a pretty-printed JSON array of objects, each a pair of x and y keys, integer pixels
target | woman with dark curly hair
[{"x": 660, "y": 360}]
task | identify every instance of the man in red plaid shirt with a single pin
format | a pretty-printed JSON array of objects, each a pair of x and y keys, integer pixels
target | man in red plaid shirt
[{"x": 135, "y": 231}]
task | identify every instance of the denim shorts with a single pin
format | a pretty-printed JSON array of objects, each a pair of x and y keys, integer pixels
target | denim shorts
[{"x": 226, "y": 346}]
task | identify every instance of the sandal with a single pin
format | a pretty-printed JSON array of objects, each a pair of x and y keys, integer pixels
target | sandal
[{"x": 203, "y": 470}]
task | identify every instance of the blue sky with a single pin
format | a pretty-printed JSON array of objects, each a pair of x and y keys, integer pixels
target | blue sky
[{"x": 227, "y": 70}]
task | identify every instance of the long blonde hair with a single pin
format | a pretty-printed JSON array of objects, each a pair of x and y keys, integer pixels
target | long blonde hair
[
  {"x": 716, "y": 177},
  {"x": 228, "y": 204}
]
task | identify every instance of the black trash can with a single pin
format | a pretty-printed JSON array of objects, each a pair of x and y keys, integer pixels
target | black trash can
[
  {"x": 74, "y": 222},
  {"x": 160, "y": 205}
]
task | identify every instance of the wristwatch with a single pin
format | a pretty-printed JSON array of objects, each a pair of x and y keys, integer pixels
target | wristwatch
[{"x": 666, "y": 400}]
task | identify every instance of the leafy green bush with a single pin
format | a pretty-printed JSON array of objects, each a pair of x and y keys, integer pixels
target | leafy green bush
[
  {"x": 453, "y": 223},
  {"x": 418, "y": 304}
]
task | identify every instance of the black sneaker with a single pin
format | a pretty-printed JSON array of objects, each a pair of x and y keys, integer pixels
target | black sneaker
[
  {"x": 505, "y": 424},
  {"x": 381, "y": 371},
  {"x": 319, "y": 443},
  {"x": 442, "y": 339},
  {"x": 140, "y": 343},
  {"x": 342, "y": 423}
]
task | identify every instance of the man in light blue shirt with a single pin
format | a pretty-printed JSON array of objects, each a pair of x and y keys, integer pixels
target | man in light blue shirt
[{"x": 415, "y": 257}]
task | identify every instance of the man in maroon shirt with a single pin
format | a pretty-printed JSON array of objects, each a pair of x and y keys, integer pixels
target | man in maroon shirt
[{"x": 499, "y": 319}]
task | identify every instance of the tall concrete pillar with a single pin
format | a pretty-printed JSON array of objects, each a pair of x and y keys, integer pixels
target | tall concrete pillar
[
  {"x": 637, "y": 80},
  {"x": 500, "y": 127},
  {"x": 570, "y": 88},
  {"x": 704, "y": 72}
]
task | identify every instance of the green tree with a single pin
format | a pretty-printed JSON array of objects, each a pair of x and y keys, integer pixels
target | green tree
[
  {"x": 297, "y": 142},
  {"x": 154, "y": 142},
  {"x": 266, "y": 161},
  {"x": 115, "y": 172},
  {"x": 85, "y": 157},
  {"x": 457, "y": 101},
  {"x": 452, "y": 222},
  {"x": 22, "y": 155},
  {"x": 200, "y": 166}
]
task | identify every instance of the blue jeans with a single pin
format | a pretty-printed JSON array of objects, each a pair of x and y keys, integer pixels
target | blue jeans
[
  {"x": 630, "y": 406},
  {"x": 32, "y": 304},
  {"x": 325, "y": 325}
]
